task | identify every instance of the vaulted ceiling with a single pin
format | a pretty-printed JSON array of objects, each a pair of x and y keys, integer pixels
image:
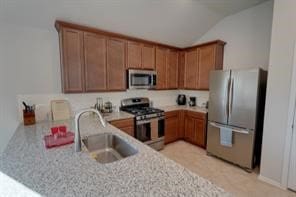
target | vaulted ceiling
[{"x": 175, "y": 22}]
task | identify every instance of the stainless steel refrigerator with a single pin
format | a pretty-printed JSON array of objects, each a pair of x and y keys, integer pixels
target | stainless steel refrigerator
[{"x": 236, "y": 104}]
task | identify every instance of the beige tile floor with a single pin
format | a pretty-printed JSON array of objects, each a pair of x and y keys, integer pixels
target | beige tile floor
[{"x": 229, "y": 177}]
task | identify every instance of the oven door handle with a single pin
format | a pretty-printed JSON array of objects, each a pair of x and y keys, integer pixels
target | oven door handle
[{"x": 141, "y": 122}]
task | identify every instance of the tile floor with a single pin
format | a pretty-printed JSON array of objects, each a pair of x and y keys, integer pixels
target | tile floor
[{"x": 229, "y": 177}]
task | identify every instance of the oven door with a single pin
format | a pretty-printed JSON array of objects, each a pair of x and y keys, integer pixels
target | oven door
[
  {"x": 150, "y": 130},
  {"x": 140, "y": 79}
]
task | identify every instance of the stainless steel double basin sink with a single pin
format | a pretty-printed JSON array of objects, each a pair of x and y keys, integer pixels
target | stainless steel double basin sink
[{"x": 107, "y": 147}]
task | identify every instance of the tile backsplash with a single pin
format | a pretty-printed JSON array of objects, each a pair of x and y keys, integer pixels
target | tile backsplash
[{"x": 80, "y": 101}]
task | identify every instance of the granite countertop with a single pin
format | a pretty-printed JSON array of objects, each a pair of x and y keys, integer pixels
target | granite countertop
[
  {"x": 183, "y": 107},
  {"x": 117, "y": 116},
  {"x": 64, "y": 172}
]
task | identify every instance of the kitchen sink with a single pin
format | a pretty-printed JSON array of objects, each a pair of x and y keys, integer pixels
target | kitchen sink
[{"x": 107, "y": 147}]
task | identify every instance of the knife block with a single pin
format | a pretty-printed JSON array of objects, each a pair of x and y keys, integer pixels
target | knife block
[{"x": 29, "y": 117}]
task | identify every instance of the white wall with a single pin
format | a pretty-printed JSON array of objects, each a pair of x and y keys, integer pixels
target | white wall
[
  {"x": 247, "y": 34},
  {"x": 278, "y": 89},
  {"x": 29, "y": 61}
]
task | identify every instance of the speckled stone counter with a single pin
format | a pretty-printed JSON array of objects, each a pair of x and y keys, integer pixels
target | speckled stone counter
[
  {"x": 64, "y": 172},
  {"x": 183, "y": 107},
  {"x": 117, "y": 116}
]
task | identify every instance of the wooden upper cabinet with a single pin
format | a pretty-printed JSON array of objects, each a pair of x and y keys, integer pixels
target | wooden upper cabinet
[
  {"x": 134, "y": 55},
  {"x": 181, "y": 69},
  {"x": 148, "y": 56},
  {"x": 206, "y": 64},
  {"x": 116, "y": 64},
  {"x": 140, "y": 55},
  {"x": 172, "y": 69},
  {"x": 160, "y": 63},
  {"x": 95, "y": 62},
  {"x": 191, "y": 69},
  {"x": 72, "y": 68}
]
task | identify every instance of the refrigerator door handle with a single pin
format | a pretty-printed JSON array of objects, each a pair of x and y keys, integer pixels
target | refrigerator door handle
[
  {"x": 227, "y": 96},
  {"x": 233, "y": 129},
  {"x": 230, "y": 97}
]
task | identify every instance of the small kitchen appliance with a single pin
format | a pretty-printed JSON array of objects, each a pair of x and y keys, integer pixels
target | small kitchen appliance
[
  {"x": 149, "y": 122},
  {"x": 141, "y": 79},
  {"x": 192, "y": 101},
  {"x": 181, "y": 100}
]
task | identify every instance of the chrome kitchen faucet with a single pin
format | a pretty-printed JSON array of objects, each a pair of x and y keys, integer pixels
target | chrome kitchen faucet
[{"x": 77, "y": 139}]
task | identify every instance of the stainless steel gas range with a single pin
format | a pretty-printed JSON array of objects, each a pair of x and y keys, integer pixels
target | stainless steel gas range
[{"x": 149, "y": 121}]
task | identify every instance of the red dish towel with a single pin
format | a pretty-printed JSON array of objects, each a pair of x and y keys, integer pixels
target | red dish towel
[{"x": 50, "y": 142}]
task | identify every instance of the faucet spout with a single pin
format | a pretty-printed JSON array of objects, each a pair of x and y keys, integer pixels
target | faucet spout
[{"x": 77, "y": 139}]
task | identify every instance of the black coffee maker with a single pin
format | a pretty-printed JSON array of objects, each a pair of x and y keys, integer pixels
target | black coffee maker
[
  {"x": 181, "y": 100},
  {"x": 192, "y": 101}
]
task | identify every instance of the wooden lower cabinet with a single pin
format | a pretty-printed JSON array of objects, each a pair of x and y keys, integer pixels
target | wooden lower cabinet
[
  {"x": 171, "y": 126},
  {"x": 195, "y": 128},
  {"x": 187, "y": 125},
  {"x": 126, "y": 125}
]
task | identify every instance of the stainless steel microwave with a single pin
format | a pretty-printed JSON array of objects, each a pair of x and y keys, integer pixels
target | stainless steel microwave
[{"x": 141, "y": 79}]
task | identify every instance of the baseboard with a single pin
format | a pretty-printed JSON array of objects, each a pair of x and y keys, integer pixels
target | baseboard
[{"x": 271, "y": 182}]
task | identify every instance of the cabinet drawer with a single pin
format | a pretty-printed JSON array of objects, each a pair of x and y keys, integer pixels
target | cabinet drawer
[
  {"x": 171, "y": 114},
  {"x": 198, "y": 115},
  {"x": 126, "y": 125}
]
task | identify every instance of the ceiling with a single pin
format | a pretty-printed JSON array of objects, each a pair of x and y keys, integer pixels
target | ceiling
[{"x": 175, "y": 22}]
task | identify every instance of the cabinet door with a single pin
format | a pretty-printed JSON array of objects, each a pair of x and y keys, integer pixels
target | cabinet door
[
  {"x": 160, "y": 61},
  {"x": 172, "y": 69},
  {"x": 181, "y": 70},
  {"x": 134, "y": 54},
  {"x": 72, "y": 61},
  {"x": 191, "y": 69},
  {"x": 189, "y": 125},
  {"x": 116, "y": 64},
  {"x": 181, "y": 123},
  {"x": 206, "y": 64},
  {"x": 171, "y": 126},
  {"x": 195, "y": 129},
  {"x": 95, "y": 62},
  {"x": 200, "y": 132},
  {"x": 148, "y": 56}
]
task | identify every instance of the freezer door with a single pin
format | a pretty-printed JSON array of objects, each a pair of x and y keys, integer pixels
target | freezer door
[
  {"x": 243, "y": 98},
  {"x": 241, "y": 152},
  {"x": 218, "y": 98}
]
